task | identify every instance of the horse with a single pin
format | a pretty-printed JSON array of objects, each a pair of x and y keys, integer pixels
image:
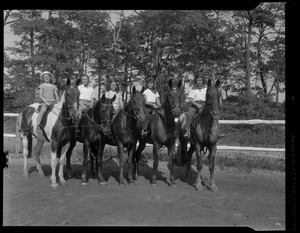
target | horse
[
  {"x": 94, "y": 125},
  {"x": 58, "y": 130},
  {"x": 204, "y": 134},
  {"x": 124, "y": 134},
  {"x": 162, "y": 131}
]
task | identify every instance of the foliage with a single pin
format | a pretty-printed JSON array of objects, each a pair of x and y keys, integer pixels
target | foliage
[
  {"x": 170, "y": 43},
  {"x": 245, "y": 106}
]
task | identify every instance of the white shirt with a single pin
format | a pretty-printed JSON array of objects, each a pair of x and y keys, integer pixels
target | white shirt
[
  {"x": 85, "y": 92},
  {"x": 118, "y": 101},
  {"x": 198, "y": 94},
  {"x": 150, "y": 95}
]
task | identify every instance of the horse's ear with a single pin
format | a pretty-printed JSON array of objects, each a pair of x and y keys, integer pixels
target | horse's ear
[
  {"x": 78, "y": 82},
  {"x": 68, "y": 82},
  {"x": 179, "y": 83},
  {"x": 209, "y": 82},
  {"x": 113, "y": 98},
  {"x": 133, "y": 90},
  {"x": 103, "y": 97},
  {"x": 170, "y": 83},
  {"x": 218, "y": 83}
]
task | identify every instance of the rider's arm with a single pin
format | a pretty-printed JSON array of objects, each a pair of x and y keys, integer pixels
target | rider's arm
[
  {"x": 197, "y": 105},
  {"x": 56, "y": 96}
]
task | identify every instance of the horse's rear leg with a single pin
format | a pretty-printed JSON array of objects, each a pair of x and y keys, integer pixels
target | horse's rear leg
[
  {"x": 27, "y": 147},
  {"x": 136, "y": 158},
  {"x": 211, "y": 166},
  {"x": 37, "y": 152}
]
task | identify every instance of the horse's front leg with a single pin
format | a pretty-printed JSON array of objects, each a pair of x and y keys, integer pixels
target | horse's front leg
[
  {"x": 198, "y": 183},
  {"x": 123, "y": 158},
  {"x": 156, "y": 148},
  {"x": 137, "y": 157},
  {"x": 171, "y": 148},
  {"x": 68, "y": 156},
  {"x": 131, "y": 151},
  {"x": 54, "y": 184},
  {"x": 86, "y": 146},
  {"x": 101, "y": 179},
  {"x": 211, "y": 166},
  {"x": 61, "y": 164},
  {"x": 188, "y": 162}
]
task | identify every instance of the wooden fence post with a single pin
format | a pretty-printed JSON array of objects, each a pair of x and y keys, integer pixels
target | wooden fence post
[{"x": 18, "y": 148}]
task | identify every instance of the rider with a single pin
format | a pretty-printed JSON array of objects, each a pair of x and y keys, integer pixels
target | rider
[
  {"x": 114, "y": 90},
  {"x": 48, "y": 95},
  {"x": 85, "y": 100},
  {"x": 197, "y": 99},
  {"x": 152, "y": 101}
]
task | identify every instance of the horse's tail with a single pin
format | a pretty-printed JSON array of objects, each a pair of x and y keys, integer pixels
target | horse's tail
[{"x": 22, "y": 126}]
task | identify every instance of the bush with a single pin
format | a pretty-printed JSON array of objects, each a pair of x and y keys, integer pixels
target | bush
[{"x": 246, "y": 107}]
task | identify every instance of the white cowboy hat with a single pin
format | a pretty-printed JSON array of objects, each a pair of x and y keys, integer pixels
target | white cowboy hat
[{"x": 46, "y": 72}]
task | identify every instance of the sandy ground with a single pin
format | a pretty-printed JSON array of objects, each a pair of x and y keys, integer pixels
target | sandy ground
[{"x": 255, "y": 199}]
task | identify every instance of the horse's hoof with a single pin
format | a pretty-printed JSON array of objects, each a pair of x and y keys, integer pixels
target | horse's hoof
[
  {"x": 42, "y": 174},
  {"x": 84, "y": 184},
  {"x": 214, "y": 188},
  {"x": 54, "y": 186},
  {"x": 63, "y": 183},
  {"x": 173, "y": 184},
  {"x": 154, "y": 184},
  {"x": 26, "y": 175},
  {"x": 199, "y": 187},
  {"x": 103, "y": 183},
  {"x": 122, "y": 184},
  {"x": 132, "y": 183}
]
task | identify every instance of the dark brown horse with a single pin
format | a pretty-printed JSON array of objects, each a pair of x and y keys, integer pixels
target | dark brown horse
[
  {"x": 93, "y": 126},
  {"x": 204, "y": 134},
  {"x": 58, "y": 130},
  {"x": 125, "y": 133},
  {"x": 162, "y": 130}
]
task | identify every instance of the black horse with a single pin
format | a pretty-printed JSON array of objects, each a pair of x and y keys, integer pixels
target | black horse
[
  {"x": 93, "y": 126},
  {"x": 163, "y": 130},
  {"x": 204, "y": 133},
  {"x": 125, "y": 133}
]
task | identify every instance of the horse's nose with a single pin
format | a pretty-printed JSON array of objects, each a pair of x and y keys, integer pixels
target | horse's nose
[{"x": 177, "y": 111}]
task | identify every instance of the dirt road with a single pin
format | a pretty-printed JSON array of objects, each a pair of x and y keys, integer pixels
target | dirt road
[{"x": 255, "y": 199}]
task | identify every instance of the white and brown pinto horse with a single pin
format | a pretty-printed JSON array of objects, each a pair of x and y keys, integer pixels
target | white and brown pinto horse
[{"x": 58, "y": 130}]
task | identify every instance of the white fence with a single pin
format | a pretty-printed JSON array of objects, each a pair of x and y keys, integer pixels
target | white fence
[{"x": 220, "y": 147}]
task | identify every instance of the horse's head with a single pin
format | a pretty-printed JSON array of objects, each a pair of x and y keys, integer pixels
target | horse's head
[
  {"x": 72, "y": 99},
  {"x": 213, "y": 98},
  {"x": 106, "y": 113},
  {"x": 138, "y": 104},
  {"x": 174, "y": 96}
]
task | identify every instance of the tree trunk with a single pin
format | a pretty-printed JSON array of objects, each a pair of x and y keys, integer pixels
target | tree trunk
[
  {"x": 248, "y": 54},
  {"x": 260, "y": 65},
  {"x": 32, "y": 53},
  {"x": 277, "y": 85}
]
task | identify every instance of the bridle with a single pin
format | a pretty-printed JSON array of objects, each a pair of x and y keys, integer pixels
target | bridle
[{"x": 177, "y": 103}]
